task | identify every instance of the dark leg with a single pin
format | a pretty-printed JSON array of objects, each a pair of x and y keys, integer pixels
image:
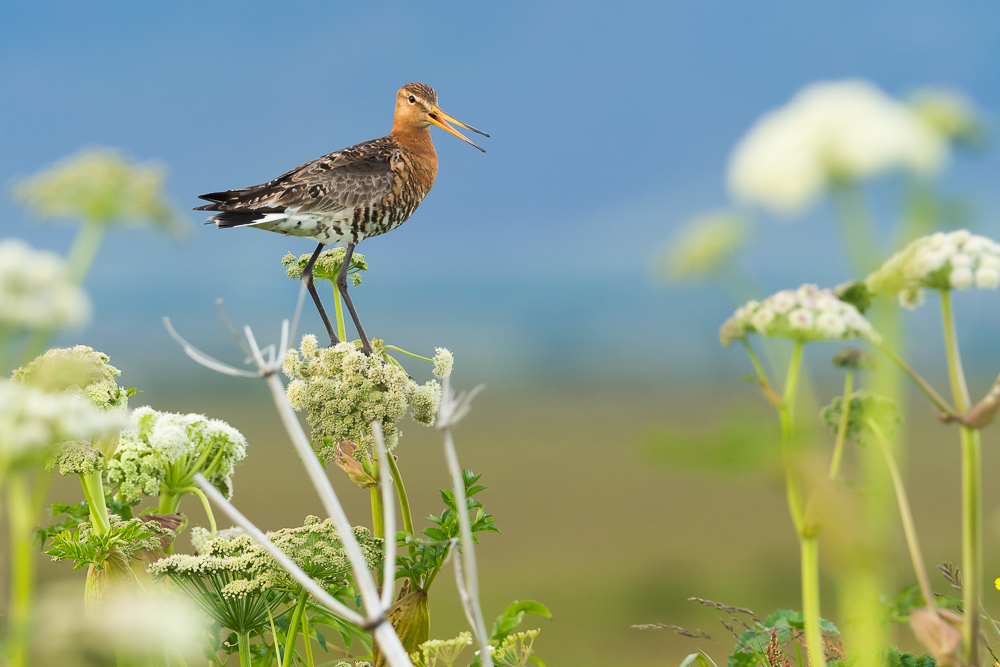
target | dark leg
[
  {"x": 307, "y": 275},
  {"x": 342, "y": 286}
]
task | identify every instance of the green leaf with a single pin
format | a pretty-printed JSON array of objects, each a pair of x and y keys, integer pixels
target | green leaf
[
  {"x": 508, "y": 621},
  {"x": 896, "y": 658},
  {"x": 701, "y": 658}
]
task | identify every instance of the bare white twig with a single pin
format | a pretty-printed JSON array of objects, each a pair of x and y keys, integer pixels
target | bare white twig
[
  {"x": 204, "y": 359},
  {"x": 451, "y": 410}
]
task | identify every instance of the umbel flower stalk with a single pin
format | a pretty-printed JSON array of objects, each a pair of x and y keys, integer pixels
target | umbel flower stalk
[
  {"x": 806, "y": 314},
  {"x": 948, "y": 262},
  {"x": 972, "y": 492}
]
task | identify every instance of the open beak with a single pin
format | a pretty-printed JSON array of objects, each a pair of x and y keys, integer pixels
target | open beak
[{"x": 441, "y": 119}]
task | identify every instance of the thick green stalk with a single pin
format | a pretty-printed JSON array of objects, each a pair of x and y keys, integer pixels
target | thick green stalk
[
  {"x": 84, "y": 249},
  {"x": 855, "y": 228},
  {"x": 93, "y": 491},
  {"x": 339, "y": 306},
  {"x": 861, "y": 582},
  {"x": 21, "y": 521},
  {"x": 845, "y": 414},
  {"x": 787, "y": 415},
  {"x": 404, "y": 503},
  {"x": 243, "y": 642},
  {"x": 170, "y": 502},
  {"x": 972, "y": 518},
  {"x": 809, "y": 550},
  {"x": 378, "y": 520},
  {"x": 293, "y": 629},
  {"x": 808, "y": 543}
]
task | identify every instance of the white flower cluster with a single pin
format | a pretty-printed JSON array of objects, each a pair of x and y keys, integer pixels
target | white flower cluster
[
  {"x": 32, "y": 421},
  {"x": 443, "y": 360},
  {"x": 343, "y": 392},
  {"x": 808, "y": 314},
  {"x": 35, "y": 291},
  {"x": 165, "y": 449},
  {"x": 100, "y": 186},
  {"x": 843, "y": 129},
  {"x": 955, "y": 260}
]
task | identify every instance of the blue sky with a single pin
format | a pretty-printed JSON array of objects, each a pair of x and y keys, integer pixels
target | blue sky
[{"x": 611, "y": 124}]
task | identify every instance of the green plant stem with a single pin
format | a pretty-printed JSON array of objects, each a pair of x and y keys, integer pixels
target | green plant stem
[
  {"x": 293, "y": 629},
  {"x": 170, "y": 502},
  {"x": 757, "y": 366},
  {"x": 808, "y": 543},
  {"x": 809, "y": 549},
  {"x": 93, "y": 491},
  {"x": 409, "y": 354},
  {"x": 972, "y": 519},
  {"x": 404, "y": 502},
  {"x": 845, "y": 413},
  {"x": 339, "y": 308},
  {"x": 308, "y": 636},
  {"x": 855, "y": 227},
  {"x": 787, "y": 415},
  {"x": 924, "y": 386},
  {"x": 378, "y": 520},
  {"x": 243, "y": 641},
  {"x": 205, "y": 504},
  {"x": 84, "y": 249},
  {"x": 861, "y": 582},
  {"x": 909, "y": 527},
  {"x": 21, "y": 521}
]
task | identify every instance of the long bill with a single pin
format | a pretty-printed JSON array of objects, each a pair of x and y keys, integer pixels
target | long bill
[{"x": 441, "y": 119}]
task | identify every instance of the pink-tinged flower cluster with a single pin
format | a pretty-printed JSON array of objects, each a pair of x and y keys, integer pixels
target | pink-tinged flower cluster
[{"x": 807, "y": 313}]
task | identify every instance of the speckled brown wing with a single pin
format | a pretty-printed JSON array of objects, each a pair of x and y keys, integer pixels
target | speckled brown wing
[{"x": 339, "y": 182}]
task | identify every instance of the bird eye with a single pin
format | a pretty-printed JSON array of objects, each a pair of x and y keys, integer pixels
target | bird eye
[{"x": 412, "y": 99}]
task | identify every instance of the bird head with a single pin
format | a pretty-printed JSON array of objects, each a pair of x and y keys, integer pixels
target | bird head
[{"x": 416, "y": 106}]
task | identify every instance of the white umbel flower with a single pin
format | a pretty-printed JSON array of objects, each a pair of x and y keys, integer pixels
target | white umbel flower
[
  {"x": 955, "y": 260},
  {"x": 842, "y": 129},
  {"x": 808, "y": 314},
  {"x": 35, "y": 290},
  {"x": 32, "y": 421}
]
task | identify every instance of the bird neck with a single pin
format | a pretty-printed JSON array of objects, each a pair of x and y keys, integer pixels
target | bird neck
[{"x": 418, "y": 142}]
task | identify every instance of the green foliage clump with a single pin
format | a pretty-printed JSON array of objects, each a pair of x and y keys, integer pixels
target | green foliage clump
[
  {"x": 766, "y": 642},
  {"x": 86, "y": 546},
  {"x": 867, "y": 410},
  {"x": 423, "y": 558}
]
